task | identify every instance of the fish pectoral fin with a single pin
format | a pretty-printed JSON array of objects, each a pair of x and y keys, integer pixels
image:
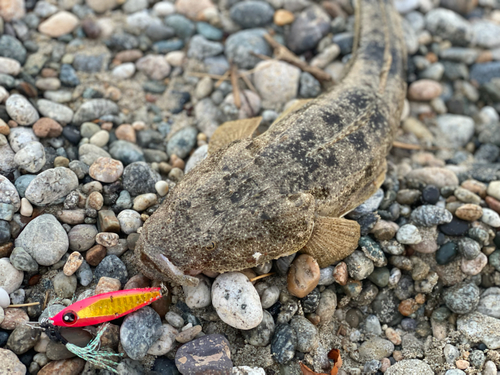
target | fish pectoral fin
[
  {"x": 231, "y": 131},
  {"x": 332, "y": 239}
]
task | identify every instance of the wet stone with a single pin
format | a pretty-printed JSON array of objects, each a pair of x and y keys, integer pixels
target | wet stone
[
  {"x": 303, "y": 276},
  {"x": 431, "y": 215},
  {"x": 207, "y": 354},
  {"x": 111, "y": 266},
  {"x": 462, "y": 298},
  {"x": 446, "y": 253},
  {"x": 456, "y": 227},
  {"x": 468, "y": 248},
  {"x": 261, "y": 335},
  {"x": 22, "y": 339},
  {"x": 359, "y": 266},
  {"x": 139, "y": 331},
  {"x": 284, "y": 343}
]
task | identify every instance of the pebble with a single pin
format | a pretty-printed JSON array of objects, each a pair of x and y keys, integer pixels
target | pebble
[
  {"x": 283, "y": 343},
  {"x": 262, "y": 334},
  {"x": 478, "y": 327},
  {"x": 126, "y": 152},
  {"x": 8, "y": 193},
  {"x": 130, "y": 221},
  {"x": 154, "y": 66},
  {"x": 474, "y": 266},
  {"x": 10, "y": 278},
  {"x": 251, "y": 14},
  {"x": 469, "y": 212},
  {"x": 462, "y": 298},
  {"x": 21, "y": 136},
  {"x": 359, "y": 266},
  {"x": 58, "y": 24},
  {"x": 12, "y": 48},
  {"x": 303, "y": 276},
  {"x": 424, "y": 90},
  {"x": 494, "y": 189},
  {"x": 9, "y": 66},
  {"x": 64, "y": 286},
  {"x": 22, "y": 261},
  {"x": 74, "y": 262},
  {"x": 31, "y": 157},
  {"x": 456, "y": 227},
  {"x": 307, "y": 334},
  {"x": 139, "y": 331},
  {"x": 94, "y": 109},
  {"x": 327, "y": 305},
  {"x": 111, "y": 266},
  {"x": 106, "y": 169},
  {"x": 47, "y": 127},
  {"x": 375, "y": 348},
  {"x": 182, "y": 142},
  {"x": 21, "y": 110},
  {"x": 51, "y": 185},
  {"x": 166, "y": 341},
  {"x": 410, "y": 366},
  {"x": 198, "y": 296},
  {"x": 429, "y": 215},
  {"x": 107, "y": 284},
  {"x": 309, "y": 27},
  {"x": 277, "y": 82},
  {"x": 4, "y": 301},
  {"x": 138, "y": 178},
  {"x": 188, "y": 334},
  {"x": 457, "y": 129},
  {"x": 446, "y": 253},
  {"x": 241, "y": 46},
  {"x": 143, "y": 201},
  {"x": 439, "y": 177},
  {"x": 408, "y": 234},
  {"x": 44, "y": 239},
  {"x": 490, "y": 218},
  {"x": 458, "y": 31},
  {"x": 107, "y": 239},
  {"x": 11, "y": 363},
  {"x": 236, "y": 301},
  {"x": 207, "y": 354}
]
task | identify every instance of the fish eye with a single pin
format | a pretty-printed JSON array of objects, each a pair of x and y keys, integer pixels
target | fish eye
[
  {"x": 70, "y": 317},
  {"x": 212, "y": 246}
]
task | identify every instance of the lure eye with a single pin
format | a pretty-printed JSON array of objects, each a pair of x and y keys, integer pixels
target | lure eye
[
  {"x": 212, "y": 246},
  {"x": 70, "y": 317}
]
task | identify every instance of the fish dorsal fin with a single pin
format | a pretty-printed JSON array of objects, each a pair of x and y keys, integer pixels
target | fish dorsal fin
[
  {"x": 296, "y": 105},
  {"x": 332, "y": 239},
  {"x": 231, "y": 131}
]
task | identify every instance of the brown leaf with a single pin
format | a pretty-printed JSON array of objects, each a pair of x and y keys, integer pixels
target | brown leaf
[{"x": 334, "y": 355}]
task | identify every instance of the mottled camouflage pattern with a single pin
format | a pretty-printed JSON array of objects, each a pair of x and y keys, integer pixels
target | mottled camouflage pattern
[{"x": 257, "y": 199}]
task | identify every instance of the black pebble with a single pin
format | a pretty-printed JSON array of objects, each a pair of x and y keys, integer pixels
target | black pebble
[
  {"x": 72, "y": 134},
  {"x": 165, "y": 366},
  {"x": 27, "y": 357},
  {"x": 446, "y": 253},
  {"x": 275, "y": 309},
  {"x": 283, "y": 343},
  {"x": 430, "y": 194},
  {"x": 4, "y": 336},
  {"x": 496, "y": 241},
  {"x": 456, "y": 227}
]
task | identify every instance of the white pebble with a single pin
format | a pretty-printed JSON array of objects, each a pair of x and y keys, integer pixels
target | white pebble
[
  {"x": 490, "y": 218},
  {"x": 26, "y": 208},
  {"x": 130, "y": 221},
  {"x": 161, "y": 188},
  {"x": 100, "y": 138},
  {"x": 236, "y": 301},
  {"x": 10, "y": 278},
  {"x": 174, "y": 319},
  {"x": 408, "y": 234},
  {"x": 143, "y": 201},
  {"x": 4, "y": 298},
  {"x": 124, "y": 71},
  {"x": 198, "y": 296},
  {"x": 166, "y": 341}
]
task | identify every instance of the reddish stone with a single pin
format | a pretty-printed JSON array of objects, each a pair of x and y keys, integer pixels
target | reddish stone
[
  {"x": 46, "y": 127},
  {"x": 95, "y": 255}
]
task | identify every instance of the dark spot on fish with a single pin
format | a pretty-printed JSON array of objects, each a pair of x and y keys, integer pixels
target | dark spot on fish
[
  {"x": 330, "y": 118},
  {"x": 330, "y": 159},
  {"x": 358, "y": 140},
  {"x": 265, "y": 216},
  {"x": 259, "y": 161},
  {"x": 235, "y": 197}
]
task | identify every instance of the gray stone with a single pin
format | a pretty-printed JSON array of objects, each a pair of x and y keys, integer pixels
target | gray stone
[
  {"x": 21, "y": 110},
  {"x": 20, "y": 136},
  {"x": 22, "y": 260},
  {"x": 138, "y": 178},
  {"x": 486, "y": 34},
  {"x": 410, "y": 366},
  {"x": 9, "y": 194},
  {"x": 462, "y": 298},
  {"x": 261, "y": 335},
  {"x": 240, "y": 47},
  {"x": 198, "y": 155},
  {"x": 250, "y": 14},
  {"x": 308, "y": 28},
  {"x": 449, "y": 25},
  {"x": 51, "y": 185},
  {"x": 139, "y": 331},
  {"x": 126, "y": 152},
  {"x": 457, "y": 129},
  {"x": 89, "y": 153},
  {"x": 478, "y": 327},
  {"x": 64, "y": 286},
  {"x": 58, "y": 112},
  {"x": 489, "y": 304},
  {"x": 44, "y": 239},
  {"x": 307, "y": 334},
  {"x": 359, "y": 266},
  {"x": 429, "y": 215},
  {"x": 82, "y": 237},
  {"x": 182, "y": 142},
  {"x": 94, "y": 109},
  {"x": 201, "y": 48},
  {"x": 31, "y": 157},
  {"x": 375, "y": 348}
]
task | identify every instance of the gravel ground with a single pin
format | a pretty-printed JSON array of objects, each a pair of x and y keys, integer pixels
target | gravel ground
[{"x": 105, "y": 105}]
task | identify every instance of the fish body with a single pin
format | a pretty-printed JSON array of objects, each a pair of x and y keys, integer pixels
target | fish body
[{"x": 258, "y": 199}]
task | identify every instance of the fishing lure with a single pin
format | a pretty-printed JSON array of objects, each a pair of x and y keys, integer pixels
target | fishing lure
[{"x": 98, "y": 309}]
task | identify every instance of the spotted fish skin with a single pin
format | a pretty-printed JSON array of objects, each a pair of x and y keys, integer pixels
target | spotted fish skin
[{"x": 258, "y": 199}]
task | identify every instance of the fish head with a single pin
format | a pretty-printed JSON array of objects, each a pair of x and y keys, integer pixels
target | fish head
[{"x": 222, "y": 217}]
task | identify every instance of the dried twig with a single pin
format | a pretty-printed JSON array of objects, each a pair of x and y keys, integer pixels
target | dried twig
[
  {"x": 25, "y": 304},
  {"x": 406, "y": 146},
  {"x": 261, "y": 276},
  {"x": 283, "y": 53},
  {"x": 236, "y": 89}
]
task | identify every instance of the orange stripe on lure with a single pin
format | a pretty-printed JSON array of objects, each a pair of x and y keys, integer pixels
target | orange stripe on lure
[{"x": 105, "y": 307}]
